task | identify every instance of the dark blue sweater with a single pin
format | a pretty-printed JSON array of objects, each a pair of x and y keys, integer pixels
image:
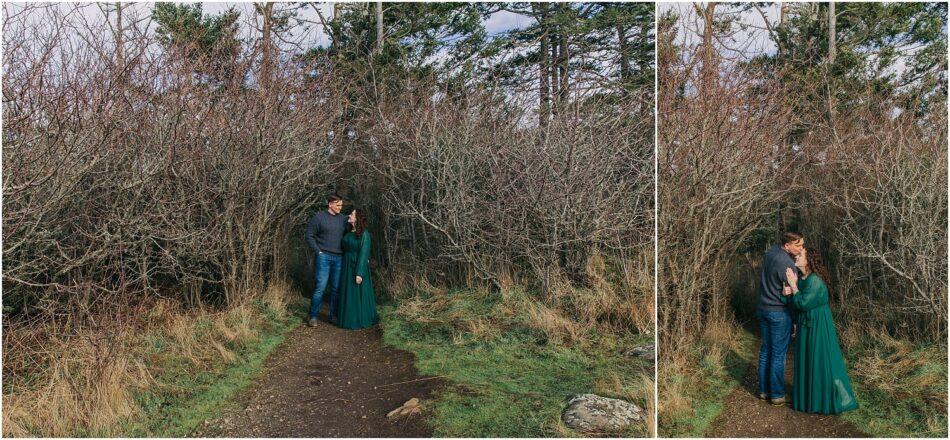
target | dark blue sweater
[
  {"x": 325, "y": 232},
  {"x": 772, "y": 278}
]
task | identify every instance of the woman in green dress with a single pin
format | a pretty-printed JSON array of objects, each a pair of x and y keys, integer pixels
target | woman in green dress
[
  {"x": 357, "y": 299},
  {"x": 821, "y": 384}
]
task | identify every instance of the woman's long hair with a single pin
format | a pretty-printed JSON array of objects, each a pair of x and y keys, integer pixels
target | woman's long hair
[
  {"x": 361, "y": 222},
  {"x": 816, "y": 265}
]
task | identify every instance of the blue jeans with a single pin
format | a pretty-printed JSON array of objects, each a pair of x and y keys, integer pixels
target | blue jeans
[
  {"x": 327, "y": 271},
  {"x": 776, "y": 334}
]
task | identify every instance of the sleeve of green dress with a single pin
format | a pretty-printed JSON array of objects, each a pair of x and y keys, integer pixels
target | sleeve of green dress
[
  {"x": 362, "y": 261},
  {"x": 812, "y": 293}
]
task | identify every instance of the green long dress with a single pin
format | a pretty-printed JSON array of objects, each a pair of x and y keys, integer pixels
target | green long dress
[
  {"x": 357, "y": 301},
  {"x": 821, "y": 382}
]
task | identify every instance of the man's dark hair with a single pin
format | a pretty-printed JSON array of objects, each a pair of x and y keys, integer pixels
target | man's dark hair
[
  {"x": 334, "y": 198},
  {"x": 791, "y": 237}
]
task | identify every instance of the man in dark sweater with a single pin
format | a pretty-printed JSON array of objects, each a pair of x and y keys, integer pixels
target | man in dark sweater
[
  {"x": 324, "y": 236},
  {"x": 774, "y": 316}
]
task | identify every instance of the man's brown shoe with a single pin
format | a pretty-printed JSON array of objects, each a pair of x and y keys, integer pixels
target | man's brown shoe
[
  {"x": 763, "y": 396},
  {"x": 312, "y": 322},
  {"x": 778, "y": 401}
]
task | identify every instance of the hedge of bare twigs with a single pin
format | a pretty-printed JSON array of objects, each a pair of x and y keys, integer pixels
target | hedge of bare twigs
[
  {"x": 155, "y": 173},
  {"x": 865, "y": 186}
]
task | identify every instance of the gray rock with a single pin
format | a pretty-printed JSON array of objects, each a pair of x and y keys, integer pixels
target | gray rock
[
  {"x": 593, "y": 413},
  {"x": 644, "y": 352}
]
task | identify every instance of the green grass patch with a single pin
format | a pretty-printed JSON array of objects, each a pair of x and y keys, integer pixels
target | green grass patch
[
  {"x": 505, "y": 377},
  {"x": 901, "y": 389}
]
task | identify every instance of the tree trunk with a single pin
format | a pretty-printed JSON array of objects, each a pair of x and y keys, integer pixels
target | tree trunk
[
  {"x": 832, "y": 104},
  {"x": 831, "y": 33},
  {"x": 555, "y": 72},
  {"x": 624, "y": 49},
  {"x": 267, "y": 13},
  {"x": 379, "y": 27},
  {"x": 709, "y": 70},
  {"x": 119, "y": 41},
  {"x": 544, "y": 97},
  {"x": 564, "y": 58}
]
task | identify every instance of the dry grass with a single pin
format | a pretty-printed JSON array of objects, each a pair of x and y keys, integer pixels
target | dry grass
[
  {"x": 559, "y": 428},
  {"x": 87, "y": 388},
  {"x": 553, "y": 323},
  {"x": 673, "y": 373},
  {"x": 895, "y": 367},
  {"x": 723, "y": 334},
  {"x": 693, "y": 376},
  {"x": 479, "y": 328},
  {"x": 636, "y": 287},
  {"x": 596, "y": 271},
  {"x": 619, "y": 299},
  {"x": 718, "y": 340},
  {"x": 277, "y": 296},
  {"x": 902, "y": 385},
  {"x": 631, "y": 389},
  {"x": 619, "y": 296},
  {"x": 556, "y": 286},
  {"x": 646, "y": 392},
  {"x": 640, "y": 311}
]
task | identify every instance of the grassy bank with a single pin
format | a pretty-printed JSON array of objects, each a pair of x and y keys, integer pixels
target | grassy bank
[
  {"x": 901, "y": 386},
  {"x": 161, "y": 376},
  {"x": 697, "y": 379},
  {"x": 511, "y": 363},
  {"x": 188, "y": 397}
]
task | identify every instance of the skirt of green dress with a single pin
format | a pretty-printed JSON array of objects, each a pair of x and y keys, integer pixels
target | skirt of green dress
[
  {"x": 821, "y": 383},
  {"x": 357, "y": 307}
]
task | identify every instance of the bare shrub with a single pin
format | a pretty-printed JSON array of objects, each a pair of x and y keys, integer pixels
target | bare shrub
[
  {"x": 475, "y": 187},
  {"x": 874, "y": 207},
  {"x": 722, "y": 165},
  {"x": 175, "y": 181},
  {"x": 155, "y": 181}
]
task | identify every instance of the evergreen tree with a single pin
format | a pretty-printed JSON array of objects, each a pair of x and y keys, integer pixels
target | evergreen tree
[{"x": 209, "y": 42}]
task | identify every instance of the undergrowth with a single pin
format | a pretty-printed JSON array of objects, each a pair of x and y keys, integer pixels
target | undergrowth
[
  {"x": 160, "y": 375},
  {"x": 901, "y": 386},
  {"x": 511, "y": 363}
]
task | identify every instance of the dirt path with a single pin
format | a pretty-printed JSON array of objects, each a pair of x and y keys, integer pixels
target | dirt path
[
  {"x": 328, "y": 382},
  {"x": 744, "y": 415}
]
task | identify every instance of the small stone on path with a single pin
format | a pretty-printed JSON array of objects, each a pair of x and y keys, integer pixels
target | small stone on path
[{"x": 410, "y": 408}]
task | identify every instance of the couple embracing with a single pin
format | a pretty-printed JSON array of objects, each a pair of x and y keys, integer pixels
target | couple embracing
[
  {"x": 793, "y": 294},
  {"x": 341, "y": 245}
]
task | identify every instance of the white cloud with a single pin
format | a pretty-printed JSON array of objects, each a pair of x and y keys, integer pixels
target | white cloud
[{"x": 504, "y": 21}]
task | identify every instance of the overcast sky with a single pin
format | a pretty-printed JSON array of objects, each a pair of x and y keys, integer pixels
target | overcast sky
[
  {"x": 749, "y": 40},
  {"x": 311, "y": 33},
  {"x": 498, "y": 22}
]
